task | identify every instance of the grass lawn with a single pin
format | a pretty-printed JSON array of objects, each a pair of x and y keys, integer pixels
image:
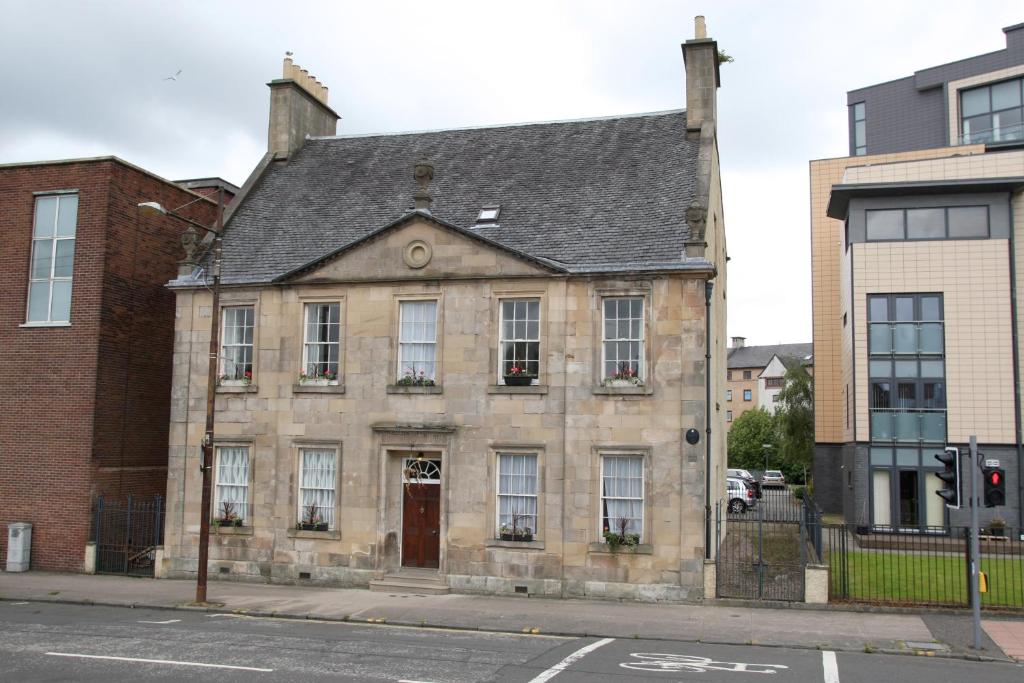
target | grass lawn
[{"x": 923, "y": 579}]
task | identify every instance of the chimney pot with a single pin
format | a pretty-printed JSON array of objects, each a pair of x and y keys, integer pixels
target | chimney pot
[
  {"x": 700, "y": 30},
  {"x": 739, "y": 342}
]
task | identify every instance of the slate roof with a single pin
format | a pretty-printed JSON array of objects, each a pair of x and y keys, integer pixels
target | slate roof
[
  {"x": 760, "y": 356},
  {"x": 592, "y": 195}
]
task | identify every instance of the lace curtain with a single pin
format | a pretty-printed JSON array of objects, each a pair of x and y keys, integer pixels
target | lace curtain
[
  {"x": 317, "y": 481},
  {"x": 232, "y": 480},
  {"x": 517, "y": 491},
  {"x": 622, "y": 493}
]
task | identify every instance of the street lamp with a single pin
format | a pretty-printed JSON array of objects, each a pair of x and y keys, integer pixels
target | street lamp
[{"x": 189, "y": 241}]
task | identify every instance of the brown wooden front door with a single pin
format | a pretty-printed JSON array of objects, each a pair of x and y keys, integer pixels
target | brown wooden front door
[{"x": 421, "y": 531}]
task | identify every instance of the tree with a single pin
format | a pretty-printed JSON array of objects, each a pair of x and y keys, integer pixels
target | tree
[
  {"x": 747, "y": 437},
  {"x": 796, "y": 422}
]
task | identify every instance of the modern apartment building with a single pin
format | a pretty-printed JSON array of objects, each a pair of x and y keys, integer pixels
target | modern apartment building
[
  {"x": 756, "y": 374},
  {"x": 915, "y": 251}
]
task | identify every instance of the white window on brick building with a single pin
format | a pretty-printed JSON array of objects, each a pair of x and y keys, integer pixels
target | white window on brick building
[{"x": 53, "y": 255}]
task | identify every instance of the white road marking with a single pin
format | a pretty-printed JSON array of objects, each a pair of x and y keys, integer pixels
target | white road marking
[
  {"x": 160, "y": 661},
  {"x": 225, "y": 615},
  {"x": 169, "y": 621},
  {"x": 406, "y": 680},
  {"x": 661, "y": 662},
  {"x": 830, "y": 666},
  {"x": 569, "y": 661},
  {"x": 19, "y": 603}
]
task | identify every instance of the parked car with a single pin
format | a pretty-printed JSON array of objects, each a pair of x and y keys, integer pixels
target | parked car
[
  {"x": 773, "y": 478},
  {"x": 740, "y": 495},
  {"x": 746, "y": 476}
]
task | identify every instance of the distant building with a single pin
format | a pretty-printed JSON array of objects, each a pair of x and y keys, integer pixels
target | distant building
[
  {"x": 86, "y": 343},
  {"x": 208, "y": 187},
  {"x": 915, "y": 263},
  {"x": 755, "y": 374}
]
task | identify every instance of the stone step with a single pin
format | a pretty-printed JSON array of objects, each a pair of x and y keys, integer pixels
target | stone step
[{"x": 410, "y": 584}]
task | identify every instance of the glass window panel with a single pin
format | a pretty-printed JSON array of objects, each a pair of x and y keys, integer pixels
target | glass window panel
[
  {"x": 933, "y": 395},
  {"x": 974, "y": 101},
  {"x": 860, "y": 132},
  {"x": 930, "y": 308},
  {"x": 508, "y": 310},
  {"x": 932, "y": 368},
  {"x": 38, "y": 302},
  {"x": 978, "y": 128},
  {"x": 878, "y": 308},
  {"x": 881, "y": 456},
  {"x": 906, "y": 395},
  {"x": 42, "y": 259},
  {"x": 1008, "y": 125},
  {"x": 926, "y": 223},
  {"x": 906, "y": 368},
  {"x": 46, "y": 216},
  {"x": 881, "y": 368},
  {"x": 931, "y": 337},
  {"x": 933, "y": 427},
  {"x": 968, "y": 221},
  {"x": 907, "y": 427},
  {"x": 935, "y": 508},
  {"x": 908, "y": 457},
  {"x": 881, "y": 496},
  {"x": 881, "y": 425},
  {"x": 1006, "y": 95},
  {"x": 880, "y": 395},
  {"x": 858, "y": 111},
  {"x": 885, "y": 225},
  {"x": 67, "y": 215},
  {"x": 905, "y": 338},
  {"x": 60, "y": 309},
  {"x": 62, "y": 266},
  {"x": 881, "y": 338},
  {"x": 905, "y": 308}
]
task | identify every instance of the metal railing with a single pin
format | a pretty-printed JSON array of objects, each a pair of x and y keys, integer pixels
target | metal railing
[
  {"x": 126, "y": 534},
  {"x": 928, "y": 568}
]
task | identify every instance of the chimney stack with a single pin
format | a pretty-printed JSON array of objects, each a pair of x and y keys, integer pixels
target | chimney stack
[
  {"x": 739, "y": 342},
  {"x": 298, "y": 107},
  {"x": 700, "y": 56}
]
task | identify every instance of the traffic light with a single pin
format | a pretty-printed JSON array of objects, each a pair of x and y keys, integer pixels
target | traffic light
[
  {"x": 950, "y": 476},
  {"x": 995, "y": 486}
]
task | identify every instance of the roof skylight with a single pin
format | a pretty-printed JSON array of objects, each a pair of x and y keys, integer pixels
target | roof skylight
[{"x": 488, "y": 214}]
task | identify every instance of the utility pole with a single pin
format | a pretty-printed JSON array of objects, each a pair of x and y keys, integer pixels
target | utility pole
[{"x": 975, "y": 545}]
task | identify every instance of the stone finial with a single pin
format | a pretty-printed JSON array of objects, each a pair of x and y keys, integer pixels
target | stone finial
[
  {"x": 190, "y": 242},
  {"x": 423, "y": 173},
  {"x": 696, "y": 217}
]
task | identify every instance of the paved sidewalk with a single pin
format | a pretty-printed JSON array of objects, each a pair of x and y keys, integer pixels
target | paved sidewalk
[
  {"x": 833, "y": 630},
  {"x": 1009, "y": 635}
]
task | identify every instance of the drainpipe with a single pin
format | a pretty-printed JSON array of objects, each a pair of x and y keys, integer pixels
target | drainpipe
[
  {"x": 708, "y": 288},
  {"x": 1016, "y": 375}
]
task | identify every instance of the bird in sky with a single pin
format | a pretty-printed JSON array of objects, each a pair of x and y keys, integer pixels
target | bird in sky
[{"x": 174, "y": 77}]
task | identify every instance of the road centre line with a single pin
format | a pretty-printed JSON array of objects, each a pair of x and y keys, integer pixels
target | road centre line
[
  {"x": 169, "y": 621},
  {"x": 830, "y": 666},
  {"x": 159, "y": 661},
  {"x": 570, "y": 660}
]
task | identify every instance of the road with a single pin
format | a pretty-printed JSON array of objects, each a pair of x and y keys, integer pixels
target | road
[{"x": 47, "y": 642}]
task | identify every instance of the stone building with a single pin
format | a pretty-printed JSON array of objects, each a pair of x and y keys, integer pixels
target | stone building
[
  {"x": 915, "y": 248},
  {"x": 461, "y": 385}
]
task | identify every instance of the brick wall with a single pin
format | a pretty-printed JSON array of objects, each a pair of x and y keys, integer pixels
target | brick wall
[{"x": 81, "y": 402}]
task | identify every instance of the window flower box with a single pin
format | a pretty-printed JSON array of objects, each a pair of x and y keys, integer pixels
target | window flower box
[
  {"x": 625, "y": 376},
  {"x": 235, "y": 380},
  {"x": 311, "y": 526},
  {"x": 411, "y": 379},
  {"x": 515, "y": 533},
  {"x": 519, "y": 380},
  {"x": 318, "y": 379}
]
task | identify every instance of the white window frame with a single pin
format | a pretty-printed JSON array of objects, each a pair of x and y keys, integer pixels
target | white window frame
[
  {"x": 641, "y": 370},
  {"x": 218, "y": 483},
  {"x": 52, "y": 278},
  {"x": 332, "y": 517},
  {"x": 404, "y": 347},
  {"x": 643, "y": 492},
  {"x": 499, "y": 495},
  {"x": 728, "y": 394},
  {"x": 309, "y": 346},
  {"x": 224, "y": 346},
  {"x": 516, "y": 339}
]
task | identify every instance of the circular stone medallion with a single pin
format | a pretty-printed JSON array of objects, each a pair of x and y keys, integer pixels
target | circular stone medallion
[{"x": 417, "y": 254}]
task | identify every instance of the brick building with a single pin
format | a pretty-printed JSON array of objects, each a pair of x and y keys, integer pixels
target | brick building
[{"x": 86, "y": 336}]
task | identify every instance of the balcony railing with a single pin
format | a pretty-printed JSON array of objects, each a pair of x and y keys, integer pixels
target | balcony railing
[
  {"x": 1010, "y": 133},
  {"x": 903, "y": 425}
]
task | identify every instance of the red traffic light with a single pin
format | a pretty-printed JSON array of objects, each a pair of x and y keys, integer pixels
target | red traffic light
[{"x": 995, "y": 479}]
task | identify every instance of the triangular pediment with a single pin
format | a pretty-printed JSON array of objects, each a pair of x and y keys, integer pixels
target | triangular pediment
[{"x": 419, "y": 247}]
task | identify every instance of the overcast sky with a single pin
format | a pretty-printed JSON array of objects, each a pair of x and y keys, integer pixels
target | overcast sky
[{"x": 86, "y": 79}]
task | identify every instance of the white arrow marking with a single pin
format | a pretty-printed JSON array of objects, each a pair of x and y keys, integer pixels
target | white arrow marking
[{"x": 569, "y": 661}]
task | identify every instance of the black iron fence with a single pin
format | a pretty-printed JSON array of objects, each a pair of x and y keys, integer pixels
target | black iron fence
[
  {"x": 126, "y": 534},
  {"x": 928, "y": 568}
]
